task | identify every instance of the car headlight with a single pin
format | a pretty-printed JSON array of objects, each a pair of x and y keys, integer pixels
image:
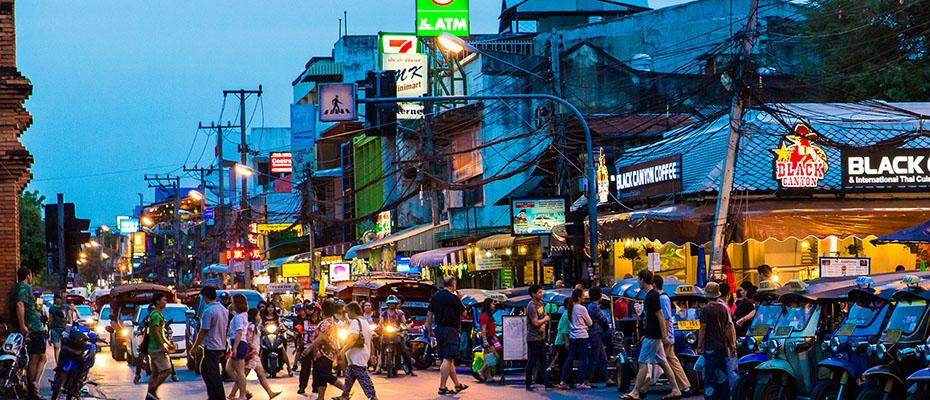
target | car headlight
[
  {"x": 824, "y": 346},
  {"x": 343, "y": 333},
  {"x": 835, "y": 344},
  {"x": 906, "y": 354},
  {"x": 691, "y": 338},
  {"x": 271, "y": 328},
  {"x": 89, "y": 320}
]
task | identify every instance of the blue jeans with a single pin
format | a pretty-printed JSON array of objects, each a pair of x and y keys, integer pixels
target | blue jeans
[
  {"x": 536, "y": 362},
  {"x": 577, "y": 350},
  {"x": 732, "y": 371},
  {"x": 597, "y": 356},
  {"x": 716, "y": 376}
]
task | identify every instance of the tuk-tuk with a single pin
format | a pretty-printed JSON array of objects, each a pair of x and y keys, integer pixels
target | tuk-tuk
[
  {"x": 812, "y": 312},
  {"x": 415, "y": 295},
  {"x": 895, "y": 357},
  {"x": 751, "y": 352},
  {"x": 340, "y": 290},
  {"x": 124, "y": 301},
  {"x": 688, "y": 301},
  {"x": 846, "y": 350}
]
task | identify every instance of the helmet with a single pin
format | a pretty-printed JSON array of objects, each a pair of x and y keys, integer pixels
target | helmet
[
  {"x": 392, "y": 299},
  {"x": 298, "y": 307},
  {"x": 224, "y": 296}
]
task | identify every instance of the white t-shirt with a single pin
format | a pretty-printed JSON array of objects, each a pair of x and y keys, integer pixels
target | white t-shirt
[
  {"x": 239, "y": 322},
  {"x": 359, "y": 356},
  {"x": 579, "y": 323}
]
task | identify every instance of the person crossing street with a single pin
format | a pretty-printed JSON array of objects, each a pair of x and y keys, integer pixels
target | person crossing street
[{"x": 445, "y": 309}]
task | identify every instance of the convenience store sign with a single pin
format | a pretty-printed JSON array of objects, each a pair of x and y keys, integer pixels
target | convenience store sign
[{"x": 435, "y": 17}]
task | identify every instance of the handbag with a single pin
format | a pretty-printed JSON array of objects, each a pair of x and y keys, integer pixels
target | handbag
[{"x": 490, "y": 359}]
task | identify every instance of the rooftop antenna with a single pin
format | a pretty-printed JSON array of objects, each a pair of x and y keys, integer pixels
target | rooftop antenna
[
  {"x": 345, "y": 20},
  {"x": 340, "y": 28}
]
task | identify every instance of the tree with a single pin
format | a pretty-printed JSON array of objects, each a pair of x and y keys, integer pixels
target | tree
[
  {"x": 32, "y": 247},
  {"x": 870, "y": 49}
]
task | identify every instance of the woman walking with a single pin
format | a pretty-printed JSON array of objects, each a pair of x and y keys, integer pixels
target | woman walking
[
  {"x": 578, "y": 342},
  {"x": 357, "y": 350},
  {"x": 488, "y": 335},
  {"x": 239, "y": 346},
  {"x": 325, "y": 346},
  {"x": 253, "y": 361}
]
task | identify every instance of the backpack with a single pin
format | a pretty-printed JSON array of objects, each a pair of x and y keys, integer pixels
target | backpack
[{"x": 144, "y": 343}]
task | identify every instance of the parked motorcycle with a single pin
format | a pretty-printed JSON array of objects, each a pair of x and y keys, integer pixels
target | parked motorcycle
[
  {"x": 424, "y": 352},
  {"x": 76, "y": 358},
  {"x": 13, "y": 360},
  {"x": 272, "y": 348}
]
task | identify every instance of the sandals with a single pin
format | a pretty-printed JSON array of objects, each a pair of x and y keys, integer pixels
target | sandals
[
  {"x": 460, "y": 388},
  {"x": 445, "y": 391},
  {"x": 627, "y": 396}
]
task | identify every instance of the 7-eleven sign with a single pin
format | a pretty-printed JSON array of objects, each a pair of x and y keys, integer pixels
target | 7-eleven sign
[{"x": 398, "y": 43}]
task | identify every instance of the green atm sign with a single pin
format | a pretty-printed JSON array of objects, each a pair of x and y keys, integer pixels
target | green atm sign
[{"x": 435, "y": 17}]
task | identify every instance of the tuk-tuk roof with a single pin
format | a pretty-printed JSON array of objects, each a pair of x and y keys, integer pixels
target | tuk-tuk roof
[
  {"x": 514, "y": 292},
  {"x": 473, "y": 297},
  {"x": 631, "y": 290},
  {"x": 517, "y": 301},
  {"x": 820, "y": 289},
  {"x": 622, "y": 285},
  {"x": 556, "y": 296},
  {"x": 138, "y": 287},
  {"x": 377, "y": 283}
]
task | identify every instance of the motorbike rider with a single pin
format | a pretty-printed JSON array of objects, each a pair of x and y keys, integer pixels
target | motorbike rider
[
  {"x": 271, "y": 315},
  {"x": 393, "y": 314}
]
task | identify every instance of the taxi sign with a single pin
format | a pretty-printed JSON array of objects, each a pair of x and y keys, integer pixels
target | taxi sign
[
  {"x": 796, "y": 285},
  {"x": 767, "y": 286},
  {"x": 685, "y": 289},
  {"x": 910, "y": 280},
  {"x": 689, "y": 325}
]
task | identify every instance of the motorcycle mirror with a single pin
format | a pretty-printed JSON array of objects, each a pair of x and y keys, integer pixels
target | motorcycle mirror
[
  {"x": 109, "y": 329},
  {"x": 127, "y": 323}
]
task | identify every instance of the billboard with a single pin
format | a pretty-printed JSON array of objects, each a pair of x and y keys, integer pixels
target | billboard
[
  {"x": 264, "y": 229},
  {"x": 340, "y": 272},
  {"x": 281, "y": 163},
  {"x": 435, "y": 17},
  {"x": 886, "y": 168},
  {"x": 383, "y": 226},
  {"x": 404, "y": 267},
  {"x": 411, "y": 72},
  {"x": 651, "y": 178},
  {"x": 127, "y": 225},
  {"x": 138, "y": 244},
  {"x": 536, "y": 216},
  {"x": 289, "y": 270},
  {"x": 799, "y": 162}
]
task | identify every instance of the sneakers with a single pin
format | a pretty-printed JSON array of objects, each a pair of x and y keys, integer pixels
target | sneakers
[{"x": 151, "y": 396}]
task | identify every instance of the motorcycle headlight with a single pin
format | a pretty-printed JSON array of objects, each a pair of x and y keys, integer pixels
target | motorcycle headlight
[
  {"x": 691, "y": 338},
  {"x": 873, "y": 349},
  {"x": 343, "y": 333},
  {"x": 881, "y": 351},
  {"x": 751, "y": 344},
  {"x": 824, "y": 346},
  {"x": 835, "y": 344},
  {"x": 390, "y": 328},
  {"x": 906, "y": 354},
  {"x": 8, "y": 347},
  {"x": 124, "y": 331},
  {"x": 89, "y": 320},
  {"x": 271, "y": 328}
]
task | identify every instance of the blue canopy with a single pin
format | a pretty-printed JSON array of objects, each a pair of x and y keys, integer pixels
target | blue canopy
[
  {"x": 629, "y": 288},
  {"x": 914, "y": 234}
]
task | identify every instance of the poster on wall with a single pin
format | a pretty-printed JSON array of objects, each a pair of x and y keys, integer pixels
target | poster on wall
[
  {"x": 831, "y": 267},
  {"x": 339, "y": 272},
  {"x": 886, "y": 168},
  {"x": 383, "y": 225},
  {"x": 536, "y": 216}
]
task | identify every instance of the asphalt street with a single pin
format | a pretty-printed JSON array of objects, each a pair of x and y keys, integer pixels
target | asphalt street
[{"x": 113, "y": 380}]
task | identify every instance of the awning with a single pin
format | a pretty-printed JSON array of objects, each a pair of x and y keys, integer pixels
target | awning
[
  {"x": 916, "y": 234},
  {"x": 499, "y": 241},
  {"x": 417, "y": 238},
  {"x": 337, "y": 249},
  {"x": 278, "y": 262},
  {"x": 778, "y": 219},
  {"x": 439, "y": 257},
  {"x": 215, "y": 268},
  {"x": 352, "y": 252}
]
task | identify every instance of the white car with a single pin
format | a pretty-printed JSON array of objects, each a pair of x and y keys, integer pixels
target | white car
[{"x": 176, "y": 314}]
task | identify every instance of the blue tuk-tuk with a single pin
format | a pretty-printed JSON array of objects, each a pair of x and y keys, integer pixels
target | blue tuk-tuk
[
  {"x": 688, "y": 301},
  {"x": 768, "y": 311}
]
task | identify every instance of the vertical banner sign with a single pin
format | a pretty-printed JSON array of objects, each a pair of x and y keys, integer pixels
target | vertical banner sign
[
  {"x": 411, "y": 73},
  {"x": 603, "y": 178},
  {"x": 435, "y": 17},
  {"x": 338, "y": 102}
]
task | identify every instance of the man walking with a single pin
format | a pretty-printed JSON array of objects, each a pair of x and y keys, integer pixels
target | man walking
[
  {"x": 597, "y": 353},
  {"x": 666, "y": 302},
  {"x": 357, "y": 350},
  {"x": 716, "y": 341},
  {"x": 652, "y": 350},
  {"x": 445, "y": 309},
  {"x": 213, "y": 324},
  {"x": 536, "y": 323},
  {"x": 29, "y": 322},
  {"x": 158, "y": 347}
]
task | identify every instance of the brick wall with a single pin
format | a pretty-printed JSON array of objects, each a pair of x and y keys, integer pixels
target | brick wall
[{"x": 14, "y": 159}]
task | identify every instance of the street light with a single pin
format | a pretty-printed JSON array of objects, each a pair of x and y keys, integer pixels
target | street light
[
  {"x": 244, "y": 170},
  {"x": 195, "y": 195},
  {"x": 453, "y": 44},
  {"x": 104, "y": 228},
  {"x": 147, "y": 221},
  {"x": 93, "y": 243}
]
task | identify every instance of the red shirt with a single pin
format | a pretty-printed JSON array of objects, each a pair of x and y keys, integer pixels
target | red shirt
[
  {"x": 490, "y": 326},
  {"x": 621, "y": 308}
]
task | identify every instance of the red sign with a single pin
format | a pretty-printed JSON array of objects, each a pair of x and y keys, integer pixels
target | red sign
[
  {"x": 799, "y": 163},
  {"x": 239, "y": 253},
  {"x": 281, "y": 163}
]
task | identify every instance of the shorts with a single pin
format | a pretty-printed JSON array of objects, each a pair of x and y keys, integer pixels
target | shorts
[
  {"x": 36, "y": 344},
  {"x": 652, "y": 352},
  {"x": 54, "y": 335},
  {"x": 447, "y": 339},
  {"x": 323, "y": 372},
  {"x": 158, "y": 361}
]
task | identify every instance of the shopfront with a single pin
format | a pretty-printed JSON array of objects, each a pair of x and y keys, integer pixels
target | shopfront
[
  {"x": 810, "y": 195},
  {"x": 383, "y": 255}
]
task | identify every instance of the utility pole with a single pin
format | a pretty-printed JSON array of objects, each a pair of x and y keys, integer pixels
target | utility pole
[
  {"x": 307, "y": 191},
  {"x": 221, "y": 193},
  {"x": 203, "y": 208},
  {"x": 62, "y": 269},
  {"x": 740, "y": 98},
  {"x": 175, "y": 183},
  {"x": 242, "y": 94}
]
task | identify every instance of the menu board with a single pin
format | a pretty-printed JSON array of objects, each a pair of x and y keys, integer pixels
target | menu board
[{"x": 831, "y": 267}]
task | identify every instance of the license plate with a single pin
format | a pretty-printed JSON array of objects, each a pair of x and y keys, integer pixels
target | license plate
[{"x": 689, "y": 325}]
